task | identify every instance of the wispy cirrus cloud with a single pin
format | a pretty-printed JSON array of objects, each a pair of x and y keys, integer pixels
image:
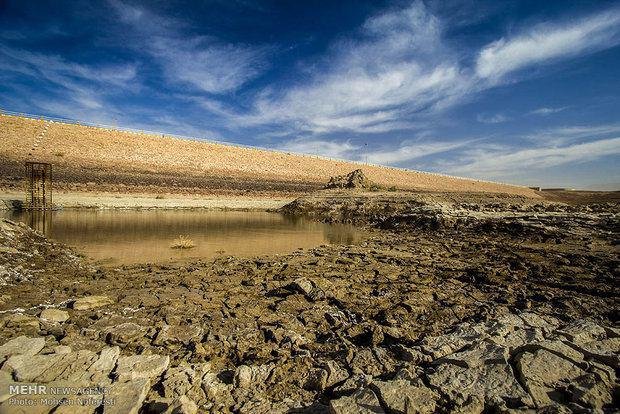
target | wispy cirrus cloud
[
  {"x": 548, "y": 41},
  {"x": 397, "y": 65},
  {"x": 399, "y": 69},
  {"x": 71, "y": 88},
  {"x": 548, "y": 111},
  {"x": 501, "y": 162},
  {"x": 492, "y": 119},
  {"x": 333, "y": 149},
  {"x": 201, "y": 62},
  {"x": 562, "y": 135},
  {"x": 407, "y": 150}
]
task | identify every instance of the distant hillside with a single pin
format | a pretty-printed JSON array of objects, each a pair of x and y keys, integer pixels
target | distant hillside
[{"x": 97, "y": 159}]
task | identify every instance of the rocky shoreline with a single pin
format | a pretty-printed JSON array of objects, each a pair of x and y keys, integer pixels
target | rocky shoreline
[{"x": 452, "y": 303}]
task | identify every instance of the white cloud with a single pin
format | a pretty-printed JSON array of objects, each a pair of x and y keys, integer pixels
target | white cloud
[
  {"x": 567, "y": 134},
  {"x": 546, "y": 42},
  {"x": 407, "y": 150},
  {"x": 399, "y": 69},
  {"x": 492, "y": 119},
  {"x": 506, "y": 162},
  {"x": 68, "y": 83},
  {"x": 201, "y": 62},
  {"x": 333, "y": 149},
  {"x": 400, "y": 66},
  {"x": 547, "y": 111},
  {"x": 410, "y": 151}
]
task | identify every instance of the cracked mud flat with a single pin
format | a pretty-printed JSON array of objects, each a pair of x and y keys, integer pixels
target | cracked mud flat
[{"x": 454, "y": 303}]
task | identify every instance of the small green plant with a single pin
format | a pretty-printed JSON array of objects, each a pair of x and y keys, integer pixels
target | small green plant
[
  {"x": 59, "y": 154},
  {"x": 393, "y": 188},
  {"x": 183, "y": 242}
]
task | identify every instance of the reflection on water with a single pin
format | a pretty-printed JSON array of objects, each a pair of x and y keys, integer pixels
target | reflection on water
[{"x": 124, "y": 237}]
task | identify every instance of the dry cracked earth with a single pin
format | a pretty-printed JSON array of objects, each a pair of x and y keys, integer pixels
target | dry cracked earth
[{"x": 451, "y": 304}]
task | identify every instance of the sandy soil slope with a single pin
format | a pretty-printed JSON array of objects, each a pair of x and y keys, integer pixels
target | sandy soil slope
[{"x": 103, "y": 160}]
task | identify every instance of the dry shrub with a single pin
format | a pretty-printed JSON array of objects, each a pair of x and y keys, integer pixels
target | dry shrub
[{"x": 183, "y": 242}]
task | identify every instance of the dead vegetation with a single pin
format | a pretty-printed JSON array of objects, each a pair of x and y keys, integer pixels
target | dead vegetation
[{"x": 183, "y": 242}]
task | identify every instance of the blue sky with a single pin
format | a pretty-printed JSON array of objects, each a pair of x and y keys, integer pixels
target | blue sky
[{"x": 524, "y": 92}]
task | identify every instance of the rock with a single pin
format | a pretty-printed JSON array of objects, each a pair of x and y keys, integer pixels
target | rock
[
  {"x": 26, "y": 323},
  {"x": 590, "y": 392},
  {"x": 26, "y": 404},
  {"x": 493, "y": 382},
  {"x": 137, "y": 367},
  {"x": 364, "y": 361},
  {"x": 178, "y": 380},
  {"x": 51, "y": 367},
  {"x": 246, "y": 376},
  {"x": 363, "y": 401},
  {"x": 5, "y": 380},
  {"x": 583, "y": 331},
  {"x": 126, "y": 397},
  {"x": 308, "y": 289},
  {"x": 54, "y": 315},
  {"x": 353, "y": 383},
  {"x": 316, "y": 380},
  {"x": 182, "y": 405},
  {"x": 411, "y": 354},
  {"x": 100, "y": 370},
  {"x": 21, "y": 345},
  {"x": 335, "y": 373},
  {"x": 217, "y": 393},
  {"x": 183, "y": 334},
  {"x": 442, "y": 345},
  {"x": 355, "y": 179},
  {"x": 124, "y": 333},
  {"x": 62, "y": 349},
  {"x": 542, "y": 371},
  {"x": 401, "y": 397},
  {"x": 91, "y": 302}
]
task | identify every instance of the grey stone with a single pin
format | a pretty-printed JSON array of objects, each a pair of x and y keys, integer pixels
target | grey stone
[
  {"x": 124, "y": 333},
  {"x": 100, "y": 370},
  {"x": 137, "y": 367},
  {"x": 5, "y": 380},
  {"x": 22, "y": 345},
  {"x": 183, "y": 334},
  {"x": 126, "y": 397},
  {"x": 26, "y": 323},
  {"x": 182, "y": 405},
  {"x": 91, "y": 302},
  {"x": 590, "y": 392},
  {"x": 54, "y": 315},
  {"x": 401, "y": 397},
  {"x": 541, "y": 372},
  {"x": 303, "y": 285},
  {"x": 246, "y": 376},
  {"x": 217, "y": 392},
  {"x": 583, "y": 331},
  {"x": 363, "y": 401},
  {"x": 491, "y": 381}
]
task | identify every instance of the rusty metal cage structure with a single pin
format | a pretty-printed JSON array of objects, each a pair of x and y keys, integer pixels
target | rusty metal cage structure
[{"x": 38, "y": 186}]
